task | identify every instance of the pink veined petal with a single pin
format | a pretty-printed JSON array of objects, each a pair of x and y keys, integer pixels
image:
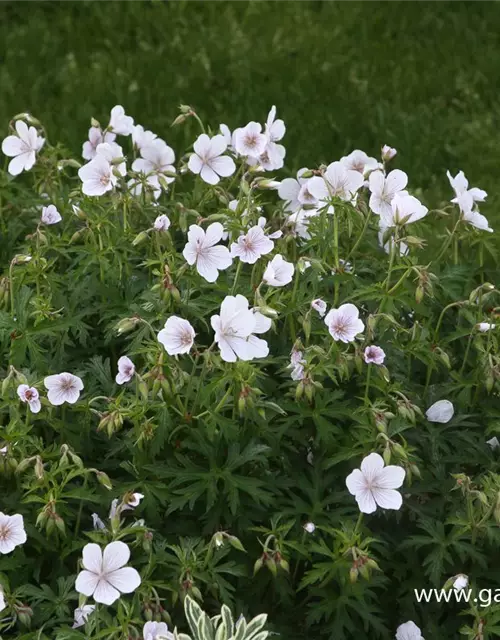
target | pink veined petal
[
  {"x": 213, "y": 234},
  {"x": 220, "y": 256},
  {"x": 355, "y": 482},
  {"x": 56, "y": 397},
  {"x": 23, "y": 131},
  {"x": 258, "y": 347},
  {"x": 241, "y": 347},
  {"x": 190, "y": 254},
  {"x": 391, "y": 477},
  {"x": 12, "y": 146},
  {"x": 223, "y": 165},
  {"x": 366, "y": 502},
  {"x": 105, "y": 593},
  {"x": 72, "y": 396},
  {"x": 349, "y": 311},
  {"x": 125, "y": 580},
  {"x": 376, "y": 182},
  {"x": 202, "y": 145},
  {"x": 92, "y": 557},
  {"x": 208, "y": 175},
  {"x": 371, "y": 466},
  {"x": 35, "y": 406},
  {"x": 396, "y": 181},
  {"x": 116, "y": 555},
  {"x": 387, "y": 498},
  {"x": 195, "y": 163},
  {"x": 226, "y": 351},
  {"x": 86, "y": 583},
  {"x": 18, "y": 164},
  {"x": 317, "y": 188},
  {"x": 218, "y": 145},
  {"x": 206, "y": 268}
]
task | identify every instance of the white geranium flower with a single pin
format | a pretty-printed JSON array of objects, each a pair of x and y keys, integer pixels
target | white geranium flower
[
  {"x": 63, "y": 387},
  {"x": 249, "y": 141},
  {"x": 461, "y": 582},
  {"x": 31, "y": 396},
  {"x": 12, "y": 533},
  {"x": 22, "y": 148},
  {"x": 484, "y": 327},
  {"x": 208, "y": 160},
  {"x": 126, "y": 370},
  {"x": 375, "y": 485},
  {"x": 383, "y": 189},
  {"x": 50, "y": 215},
  {"x": 278, "y": 272},
  {"x": 297, "y": 363},
  {"x": 113, "y": 153},
  {"x": 359, "y": 161},
  {"x": 477, "y": 220},
  {"x": 203, "y": 251},
  {"x": 493, "y": 442},
  {"x": 226, "y": 132},
  {"x": 388, "y": 153},
  {"x": 344, "y": 323},
  {"x": 251, "y": 246},
  {"x": 156, "y": 631},
  {"x": 262, "y": 223},
  {"x": 142, "y": 138},
  {"x": 320, "y": 306},
  {"x": 295, "y": 192},
  {"x": 441, "y": 411},
  {"x": 120, "y": 123},
  {"x": 81, "y": 615},
  {"x": 299, "y": 222},
  {"x": 310, "y": 527},
  {"x": 157, "y": 162},
  {"x": 97, "y": 523},
  {"x": 104, "y": 575},
  {"x": 374, "y": 354},
  {"x": 96, "y": 137},
  {"x": 404, "y": 208},
  {"x": 2, "y": 599},
  {"x": 465, "y": 197},
  {"x": 275, "y": 129},
  {"x": 97, "y": 176},
  {"x": 408, "y": 631},
  {"x": 162, "y": 223},
  {"x": 235, "y": 328},
  {"x": 177, "y": 336},
  {"x": 337, "y": 182},
  {"x": 132, "y": 501},
  {"x": 401, "y": 247}
]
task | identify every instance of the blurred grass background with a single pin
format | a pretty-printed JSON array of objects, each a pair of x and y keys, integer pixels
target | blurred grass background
[{"x": 420, "y": 76}]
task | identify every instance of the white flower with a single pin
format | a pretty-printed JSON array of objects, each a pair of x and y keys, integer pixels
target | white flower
[
  {"x": 465, "y": 197},
  {"x": 156, "y": 631},
  {"x": 408, "y": 631},
  {"x": 50, "y": 215},
  {"x": 226, "y": 132},
  {"x": 208, "y": 159},
  {"x": 278, "y": 272},
  {"x": 493, "y": 442},
  {"x": 126, "y": 370},
  {"x": 295, "y": 192},
  {"x": 477, "y": 220},
  {"x": 156, "y": 161},
  {"x": 404, "y": 209},
  {"x": 484, "y": 327},
  {"x": 22, "y": 148},
  {"x": 275, "y": 129},
  {"x": 2, "y": 599},
  {"x": 299, "y": 222},
  {"x": 81, "y": 615},
  {"x": 388, "y": 153},
  {"x": 441, "y": 411},
  {"x": 142, "y": 138},
  {"x": 113, "y": 153},
  {"x": 374, "y": 354},
  {"x": 250, "y": 247},
  {"x": 262, "y": 223},
  {"x": 344, "y": 323},
  {"x": 97, "y": 523},
  {"x": 202, "y": 249},
  {"x": 97, "y": 176},
  {"x": 12, "y": 533},
  {"x": 234, "y": 329},
  {"x": 177, "y": 337},
  {"x": 375, "y": 485},
  {"x": 29, "y": 395},
  {"x": 310, "y": 527},
  {"x": 96, "y": 137},
  {"x": 359, "y": 161},
  {"x": 384, "y": 188},
  {"x": 120, "y": 123},
  {"x": 461, "y": 582},
  {"x": 105, "y": 576},
  {"x": 249, "y": 141},
  {"x": 132, "y": 502},
  {"x": 320, "y": 306},
  {"x": 337, "y": 182},
  {"x": 63, "y": 387},
  {"x": 162, "y": 223},
  {"x": 401, "y": 247},
  {"x": 297, "y": 363}
]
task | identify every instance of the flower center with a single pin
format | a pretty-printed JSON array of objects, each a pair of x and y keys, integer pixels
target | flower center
[
  {"x": 251, "y": 140},
  {"x": 5, "y": 532},
  {"x": 105, "y": 179},
  {"x": 67, "y": 385}
]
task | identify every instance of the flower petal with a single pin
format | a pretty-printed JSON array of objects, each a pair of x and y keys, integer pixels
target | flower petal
[
  {"x": 125, "y": 580},
  {"x": 116, "y": 555}
]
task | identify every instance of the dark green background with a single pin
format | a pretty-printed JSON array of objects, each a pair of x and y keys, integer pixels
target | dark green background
[{"x": 421, "y": 76}]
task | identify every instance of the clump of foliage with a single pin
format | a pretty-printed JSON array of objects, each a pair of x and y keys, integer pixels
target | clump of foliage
[{"x": 228, "y": 388}]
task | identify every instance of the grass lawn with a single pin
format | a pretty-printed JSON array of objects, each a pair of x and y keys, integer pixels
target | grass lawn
[{"x": 420, "y": 76}]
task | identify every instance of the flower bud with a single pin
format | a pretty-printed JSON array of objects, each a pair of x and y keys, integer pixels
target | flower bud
[
  {"x": 125, "y": 325},
  {"x": 353, "y": 575},
  {"x": 140, "y": 237},
  {"x": 21, "y": 259},
  {"x": 103, "y": 479}
]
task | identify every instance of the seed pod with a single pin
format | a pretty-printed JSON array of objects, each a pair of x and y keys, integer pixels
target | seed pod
[
  {"x": 419, "y": 294},
  {"x": 387, "y": 454},
  {"x": 353, "y": 574},
  {"x": 257, "y": 566}
]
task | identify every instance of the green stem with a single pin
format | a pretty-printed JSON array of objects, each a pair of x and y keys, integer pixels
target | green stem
[
  {"x": 361, "y": 236},
  {"x": 236, "y": 277},
  {"x": 367, "y": 386}
]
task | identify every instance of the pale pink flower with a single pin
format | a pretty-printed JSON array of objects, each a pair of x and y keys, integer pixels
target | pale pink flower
[
  {"x": 278, "y": 272},
  {"x": 299, "y": 222},
  {"x": 120, "y": 123},
  {"x": 297, "y": 363},
  {"x": 388, "y": 153},
  {"x": 96, "y": 137},
  {"x": 97, "y": 176},
  {"x": 177, "y": 336},
  {"x": 12, "y": 533},
  {"x": 359, "y": 161},
  {"x": 208, "y": 160},
  {"x": 383, "y": 189},
  {"x": 295, "y": 192},
  {"x": 113, "y": 153},
  {"x": 375, "y": 485},
  {"x": 337, "y": 182},
  {"x": 202, "y": 249},
  {"x": 251, "y": 246},
  {"x": 157, "y": 161},
  {"x": 22, "y": 148},
  {"x": 441, "y": 411},
  {"x": 408, "y": 631},
  {"x": 320, "y": 306},
  {"x": 126, "y": 370},
  {"x": 104, "y": 575},
  {"x": 142, "y": 138},
  {"x": 81, "y": 615},
  {"x": 63, "y": 387},
  {"x": 31, "y": 396},
  {"x": 465, "y": 197},
  {"x": 249, "y": 140},
  {"x": 156, "y": 631},
  {"x": 404, "y": 209},
  {"x": 50, "y": 215},
  {"x": 162, "y": 223},
  {"x": 310, "y": 527},
  {"x": 374, "y": 354},
  {"x": 344, "y": 323}
]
